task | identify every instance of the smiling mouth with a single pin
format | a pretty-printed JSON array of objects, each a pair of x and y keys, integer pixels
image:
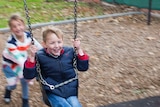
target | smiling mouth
[{"x": 56, "y": 51}]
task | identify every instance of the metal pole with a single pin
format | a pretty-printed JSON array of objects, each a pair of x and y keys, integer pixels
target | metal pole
[
  {"x": 4, "y": 30},
  {"x": 149, "y": 11}
]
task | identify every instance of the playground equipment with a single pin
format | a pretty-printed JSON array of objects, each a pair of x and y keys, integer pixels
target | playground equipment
[
  {"x": 40, "y": 78},
  {"x": 148, "y": 4},
  {"x": 3, "y": 30}
]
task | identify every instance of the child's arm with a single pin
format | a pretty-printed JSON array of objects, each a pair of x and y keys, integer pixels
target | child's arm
[
  {"x": 13, "y": 53},
  {"x": 83, "y": 58},
  {"x": 29, "y": 71},
  {"x": 83, "y": 62}
]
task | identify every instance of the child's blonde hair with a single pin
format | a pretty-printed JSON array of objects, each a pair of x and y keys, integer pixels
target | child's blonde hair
[
  {"x": 16, "y": 17},
  {"x": 49, "y": 30}
]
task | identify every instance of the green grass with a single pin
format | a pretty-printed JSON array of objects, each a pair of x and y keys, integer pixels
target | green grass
[{"x": 42, "y": 11}]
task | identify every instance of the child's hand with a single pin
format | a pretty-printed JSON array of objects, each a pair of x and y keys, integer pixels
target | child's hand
[
  {"x": 31, "y": 52},
  {"x": 76, "y": 43}
]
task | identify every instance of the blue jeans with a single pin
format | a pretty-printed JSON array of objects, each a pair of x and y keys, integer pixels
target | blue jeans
[
  {"x": 57, "y": 101},
  {"x": 10, "y": 74}
]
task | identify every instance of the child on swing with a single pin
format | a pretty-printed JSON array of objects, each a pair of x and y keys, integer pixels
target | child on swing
[
  {"x": 14, "y": 55},
  {"x": 56, "y": 64}
]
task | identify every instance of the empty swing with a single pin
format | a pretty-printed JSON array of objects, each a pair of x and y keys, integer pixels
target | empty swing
[{"x": 41, "y": 80}]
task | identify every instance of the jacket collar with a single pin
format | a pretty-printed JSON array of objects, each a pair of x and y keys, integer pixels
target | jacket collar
[{"x": 62, "y": 51}]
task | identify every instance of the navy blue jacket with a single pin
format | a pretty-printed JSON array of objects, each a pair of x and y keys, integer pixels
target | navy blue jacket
[{"x": 57, "y": 70}]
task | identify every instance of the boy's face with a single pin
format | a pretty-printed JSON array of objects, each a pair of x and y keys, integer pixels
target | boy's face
[
  {"x": 53, "y": 44},
  {"x": 17, "y": 27}
]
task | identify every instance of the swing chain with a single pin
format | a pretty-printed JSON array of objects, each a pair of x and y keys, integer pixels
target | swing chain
[
  {"x": 28, "y": 20},
  {"x": 75, "y": 19},
  {"x": 29, "y": 23},
  {"x": 52, "y": 87},
  {"x": 41, "y": 79},
  {"x": 40, "y": 76}
]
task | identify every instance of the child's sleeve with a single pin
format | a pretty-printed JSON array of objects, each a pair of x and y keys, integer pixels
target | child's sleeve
[
  {"x": 83, "y": 62},
  {"x": 12, "y": 52},
  {"x": 29, "y": 71}
]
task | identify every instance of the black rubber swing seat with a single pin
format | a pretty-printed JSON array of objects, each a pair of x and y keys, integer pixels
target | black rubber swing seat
[{"x": 146, "y": 102}]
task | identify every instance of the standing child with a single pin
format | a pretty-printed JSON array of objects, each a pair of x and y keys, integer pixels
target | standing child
[
  {"x": 57, "y": 68},
  {"x": 14, "y": 56}
]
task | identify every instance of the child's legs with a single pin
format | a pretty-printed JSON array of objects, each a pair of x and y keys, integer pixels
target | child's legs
[
  {"x": 57, "y": 101},
  {"x": 11, "y": 78},
  {"x": 73, "y": 101},
  {"x": 24, "y": 88},
  {"x": 11, "y": 87}
]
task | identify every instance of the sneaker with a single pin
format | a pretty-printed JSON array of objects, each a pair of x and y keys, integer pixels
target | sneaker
[
  {"x": 7, "y": 100},
  {"x": 7, "y": 96}
]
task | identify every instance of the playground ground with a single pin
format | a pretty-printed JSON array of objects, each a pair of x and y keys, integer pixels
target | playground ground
[{"x": 124, "y": 61}]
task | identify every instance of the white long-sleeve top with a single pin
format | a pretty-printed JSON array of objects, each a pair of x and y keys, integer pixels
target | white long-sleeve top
[{"x": 15, "y": 52}]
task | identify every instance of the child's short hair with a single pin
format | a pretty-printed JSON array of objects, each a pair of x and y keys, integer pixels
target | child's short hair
[
  {"x": 16, "y": 17},
  {"x": 50, "y": 29}
]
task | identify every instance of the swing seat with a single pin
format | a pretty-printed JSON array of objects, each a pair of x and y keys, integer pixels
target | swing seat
[{"x": 44, "y": 96}]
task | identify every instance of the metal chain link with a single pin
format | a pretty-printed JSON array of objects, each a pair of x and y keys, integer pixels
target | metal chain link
[
  {"x": 52, "y": 87},
  {"x": 75, "y": 34},
  {"x": 29, "y": 23},
  {"x": 75, "y": 19},
  {"x": 28, "y": 20}
]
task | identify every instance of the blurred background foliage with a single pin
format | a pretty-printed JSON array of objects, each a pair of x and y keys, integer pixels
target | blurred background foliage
[{"x": 47, "y": 10}]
